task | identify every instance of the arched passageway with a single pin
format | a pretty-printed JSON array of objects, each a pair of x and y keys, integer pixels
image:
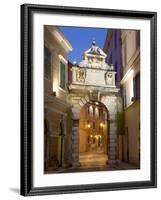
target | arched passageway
[{"x": 93, "y": 134}]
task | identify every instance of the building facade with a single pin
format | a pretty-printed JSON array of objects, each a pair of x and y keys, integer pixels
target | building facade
[
  {"x": 130, "y": 83},
  {"x": 113, "y": 49},
  {"x": 123, "y": 49},
  {"x": 57, "y": 110}
]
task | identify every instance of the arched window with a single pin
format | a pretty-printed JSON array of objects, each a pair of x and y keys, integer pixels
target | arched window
[
  {"x": 96, "y": 112},
  {"x": 91, "y": 110}
]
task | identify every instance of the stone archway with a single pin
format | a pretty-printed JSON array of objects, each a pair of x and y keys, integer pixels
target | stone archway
[
  {"x": 111, "y": 102},
  {"x": 94, "y": 80}
]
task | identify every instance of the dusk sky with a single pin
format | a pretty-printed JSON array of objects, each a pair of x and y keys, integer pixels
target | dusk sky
[{"x": 81, "y": 39}]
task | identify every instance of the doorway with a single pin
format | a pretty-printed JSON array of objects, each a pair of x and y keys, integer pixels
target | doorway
[{"x": 93, "y": 131}]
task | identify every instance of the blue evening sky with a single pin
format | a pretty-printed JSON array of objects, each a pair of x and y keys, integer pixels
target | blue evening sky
[{"x": 81, "y": 39}]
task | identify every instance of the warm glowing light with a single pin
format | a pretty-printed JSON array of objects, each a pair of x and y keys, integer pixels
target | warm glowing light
[
  {"x": 55, "y": 86},
  {"x": 101, "y": 124},
  {"x": 90, "y": 107},
  {"x": 131, "y": 89},
  {"x": 96, "y": 103},
  {"x": 90, "y": 110},
  {"x": 96, "y": 112},
  {"x": 88, "y": 125}
]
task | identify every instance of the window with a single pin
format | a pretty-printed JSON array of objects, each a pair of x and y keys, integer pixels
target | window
[
  {"x": 93, "y": 112},
  {"x": 88, "y": 110},
  {"x": 93, "y": 125},
  {"x": 88, "y": 139},
  {"x": 136, "y": 84},
  {"x": 62, "y": 75},
  {"x": 96, "y": 112},
  {"x": 47, "y": 63},
  {"x": 99, "y": 113}
]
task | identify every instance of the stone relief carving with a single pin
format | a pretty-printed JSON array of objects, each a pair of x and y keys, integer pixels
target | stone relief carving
[
  {"x": 81, "y": 75},
  {"x": 109, "y": 78}
]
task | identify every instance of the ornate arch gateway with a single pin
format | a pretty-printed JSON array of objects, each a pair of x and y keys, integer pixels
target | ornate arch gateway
[{"x": 93, "y": 86}]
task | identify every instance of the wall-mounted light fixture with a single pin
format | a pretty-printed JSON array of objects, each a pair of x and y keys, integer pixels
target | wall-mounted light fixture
[
  {"x": 54, "y": 93},
  {"x": 101, "y": 124},
  {"x": 132, "y": 99}
]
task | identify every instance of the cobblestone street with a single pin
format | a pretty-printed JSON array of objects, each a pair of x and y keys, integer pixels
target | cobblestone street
[
  {"x": 96, "y": 162},
  {"x": 93, "y": 160}
]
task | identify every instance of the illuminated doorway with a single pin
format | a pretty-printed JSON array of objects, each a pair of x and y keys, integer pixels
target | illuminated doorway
[{"x": 93, "y": 131}]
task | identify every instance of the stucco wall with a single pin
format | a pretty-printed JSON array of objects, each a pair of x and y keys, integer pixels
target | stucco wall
[
  {"x": 56, "y": 50},
  {"x": 113, "y": 50},
  {"x": 58, "y": 137},
  {"x": 132, "y": 125}
]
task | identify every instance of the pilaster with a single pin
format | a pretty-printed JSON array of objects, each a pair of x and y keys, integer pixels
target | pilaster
[{"x": 75, "y": 142}]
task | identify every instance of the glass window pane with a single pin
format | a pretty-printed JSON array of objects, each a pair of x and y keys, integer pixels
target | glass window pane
[
  {"x": 62, "y": 75},
  {"x": 47, "y": 63}
]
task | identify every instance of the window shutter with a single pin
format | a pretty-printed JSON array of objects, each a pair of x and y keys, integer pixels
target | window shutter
[
  {"x": 47, "y": 63},
  {"x": 62, "y": 75}
]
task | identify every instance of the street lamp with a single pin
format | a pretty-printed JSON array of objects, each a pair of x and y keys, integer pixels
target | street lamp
[
  {"x": 89, "y": 135},
  {"x": 101, "y": 124},
  {"x": 101, "y": 135}
]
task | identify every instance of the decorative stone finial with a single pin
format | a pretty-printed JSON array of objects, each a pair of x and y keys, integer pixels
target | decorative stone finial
[
  {"x": 75, "y": 62},
  {"x": 94, "y": 42}
]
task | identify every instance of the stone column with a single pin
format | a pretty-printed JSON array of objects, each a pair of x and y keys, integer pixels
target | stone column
[
  {"x": 112, "y": 147},
  {"x": 75, "y": 143},
  {"x": 63, "y": 138},
  {"x": 111, "y": 104}
]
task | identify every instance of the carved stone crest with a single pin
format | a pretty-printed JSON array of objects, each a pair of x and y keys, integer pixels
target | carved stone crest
[
  {"x": 81, "y": 75},
  {"x": 109, "y": 78}
]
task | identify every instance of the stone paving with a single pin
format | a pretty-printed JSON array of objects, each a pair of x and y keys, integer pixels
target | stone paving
[
  {"x": 95, "y": 162},
  {"x": 97, "y": 159}
]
